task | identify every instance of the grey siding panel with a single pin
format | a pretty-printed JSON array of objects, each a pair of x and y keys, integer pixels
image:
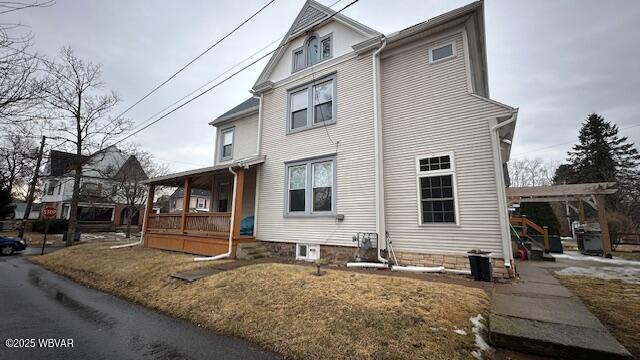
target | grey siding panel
[
  {"x": 354, "y": 160},
  {"x": 244, "y": 137},
  {"x": 427, "y": 110}
]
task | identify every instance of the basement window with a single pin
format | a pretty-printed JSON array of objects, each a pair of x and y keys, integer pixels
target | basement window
[
  {"x": 442, "y": 52},
  {"x": 437, "y": 193},
  {"x": 307, "y": 252}
]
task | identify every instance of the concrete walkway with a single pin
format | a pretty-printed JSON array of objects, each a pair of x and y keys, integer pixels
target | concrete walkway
[{"x": 538, "y": 315}]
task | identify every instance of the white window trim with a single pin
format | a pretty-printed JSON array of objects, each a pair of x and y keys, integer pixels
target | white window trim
[
  {"x": 453, "y": 48},
  {"x": 431, "y": 173},
  {"x": 308, "y": 205},
  {"x": 204, "y": 203},
  {"x": 311, "y": 124},
  {"x": 232, "y": 130}
]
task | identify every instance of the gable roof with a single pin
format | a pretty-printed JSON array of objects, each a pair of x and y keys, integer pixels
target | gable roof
[
  {"x": 312, "y": 14},
  {"x": 131, "y": 170},
  {"x": 244, "y": 108},
  {"x": 61, "y": 162}
]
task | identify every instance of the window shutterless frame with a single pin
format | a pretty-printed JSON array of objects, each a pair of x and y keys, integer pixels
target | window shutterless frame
[
  {"x": 311, "y": 104},
  {"x": 440, "y": 46},
  {"x": 302, "y": 51},
  {"x": 451, "y": 170},
  {"x": 309, "y": 183},
  {"x": 221, "y": 144}
]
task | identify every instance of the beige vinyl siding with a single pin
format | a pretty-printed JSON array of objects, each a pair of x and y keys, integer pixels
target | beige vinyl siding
[
  {"x": 354, "y": 160},
  {"x": 427, "y": 110},
  {"x": 244, "y": 137}
]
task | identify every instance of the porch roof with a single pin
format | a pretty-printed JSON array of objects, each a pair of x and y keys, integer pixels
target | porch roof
[{"x": 201, "y": 177}]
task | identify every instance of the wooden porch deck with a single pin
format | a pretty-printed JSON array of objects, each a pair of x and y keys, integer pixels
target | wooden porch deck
[{"x": 205, "y": 233}]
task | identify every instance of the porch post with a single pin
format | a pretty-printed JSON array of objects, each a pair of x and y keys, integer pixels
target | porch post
[
  {"x": 147, "y": 211},
  {"x": 604, "y": 225},
  {"x": 237, "y": 207},
  {"x": 186, "y": 203}
]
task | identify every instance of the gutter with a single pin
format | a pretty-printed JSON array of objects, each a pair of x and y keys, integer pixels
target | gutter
[
  {"x": 378, "y": 151},
  {"x": 233, "y": 212},
  {"x": 507, "y": 252}
]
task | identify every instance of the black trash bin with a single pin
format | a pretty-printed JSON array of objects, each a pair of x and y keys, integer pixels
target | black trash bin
[{"x": 480, "y": 262}]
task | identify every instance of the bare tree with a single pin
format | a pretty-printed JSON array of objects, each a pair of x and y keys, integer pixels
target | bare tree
[
  {"x": 531, "y": 172},
  {"x": 17, "y": 158},
  {"x": 79, "y": 115},
  {"x": 129, "y": 188}
]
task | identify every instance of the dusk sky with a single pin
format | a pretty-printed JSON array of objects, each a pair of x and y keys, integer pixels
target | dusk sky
[{"x": 556, "y": 61}]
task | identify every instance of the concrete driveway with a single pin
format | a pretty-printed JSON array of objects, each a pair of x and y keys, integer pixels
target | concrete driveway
[{"x": 38, "y": 304}]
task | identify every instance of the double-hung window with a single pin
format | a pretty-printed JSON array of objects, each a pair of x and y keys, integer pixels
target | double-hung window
[
  {"x": 226, "y": 144},
  {"x": 437, "y": 198},
  {"x": 312, "y": 104},
  {"x": 310, "y": 187}
]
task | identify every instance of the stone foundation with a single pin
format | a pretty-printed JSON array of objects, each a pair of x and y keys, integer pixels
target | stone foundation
[
  {"x": 340, "y": 255},
  {"x": 458, "y": 262}
]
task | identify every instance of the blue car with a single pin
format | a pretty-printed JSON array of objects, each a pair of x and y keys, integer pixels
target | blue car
[{"x": 9, "y": 245}]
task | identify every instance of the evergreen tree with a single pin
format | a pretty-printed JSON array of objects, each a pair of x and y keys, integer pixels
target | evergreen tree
[{"x": 601, "y": 155}]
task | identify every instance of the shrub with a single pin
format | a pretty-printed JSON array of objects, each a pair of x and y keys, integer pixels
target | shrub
[
  {"x": 56, "y": 226},
  {"x": 541, "y": 214}
]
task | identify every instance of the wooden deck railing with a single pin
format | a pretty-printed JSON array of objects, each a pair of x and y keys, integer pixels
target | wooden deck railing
[
  {"x": 208, "y": 223},
  {"x": 525, "y": 224},
  {"x": 164, "y": 222}
]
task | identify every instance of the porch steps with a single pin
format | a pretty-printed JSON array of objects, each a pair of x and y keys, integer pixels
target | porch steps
[{"x": 250, "y": 251}]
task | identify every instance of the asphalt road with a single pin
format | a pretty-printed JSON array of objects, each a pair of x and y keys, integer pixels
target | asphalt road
[{"x": 37, "y": 304}]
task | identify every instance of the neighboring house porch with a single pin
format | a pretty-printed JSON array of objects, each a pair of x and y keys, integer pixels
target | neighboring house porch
[{"x": 207, "y": 233}]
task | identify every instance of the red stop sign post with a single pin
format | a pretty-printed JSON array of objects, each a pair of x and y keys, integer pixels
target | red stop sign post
[{"x": 47, "y": 213}]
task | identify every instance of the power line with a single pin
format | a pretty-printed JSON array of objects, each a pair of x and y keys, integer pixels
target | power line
[
  {"x": 189, "y": 63},
  {"x": 564, "y": 143},
  {"x": 228, "y": 77}
]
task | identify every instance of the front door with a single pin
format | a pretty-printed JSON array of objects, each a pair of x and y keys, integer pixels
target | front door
[{"x": 224, "y": 194}]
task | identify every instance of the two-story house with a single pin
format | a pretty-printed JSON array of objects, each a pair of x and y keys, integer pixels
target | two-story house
[
  {"x": 352, "y": 131},
  {"x": 200, "y": 200},
  {"x": 100, "y": 205}
]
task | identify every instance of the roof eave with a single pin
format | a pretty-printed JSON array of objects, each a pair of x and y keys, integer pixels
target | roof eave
[{"x": 240, "y": 114}]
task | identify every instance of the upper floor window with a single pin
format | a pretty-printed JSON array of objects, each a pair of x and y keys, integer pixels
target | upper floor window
[
  {"x": 312, "y": 104},
  {"x": 201, "y": 203},
  {"x": 314, "y": 50},
  {"x": 310, "y": 187},
  {"x": 442, "y": 52},
  {"x": 437, "y": 189},
  {"x": 226, "y": 144},
  {"x": 52, "y": 187}
]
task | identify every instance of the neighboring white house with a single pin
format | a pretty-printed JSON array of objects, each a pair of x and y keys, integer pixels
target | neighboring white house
[
  {"x": 350, "y": 130},
  {"x": 98, "y": 201}
]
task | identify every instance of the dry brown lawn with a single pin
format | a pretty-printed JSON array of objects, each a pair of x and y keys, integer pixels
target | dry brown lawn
[
  {"x": 285, "y": 308},
  {"x": 615, "y": 303}
]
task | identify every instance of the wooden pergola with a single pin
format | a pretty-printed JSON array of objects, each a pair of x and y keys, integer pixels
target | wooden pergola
[{"x": 592, "y": 194}]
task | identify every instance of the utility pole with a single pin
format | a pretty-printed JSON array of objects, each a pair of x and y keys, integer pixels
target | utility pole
[{"x": 32, "y": 188}]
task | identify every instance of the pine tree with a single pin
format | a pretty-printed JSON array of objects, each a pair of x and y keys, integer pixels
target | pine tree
[{"x": 601, "y": 155}]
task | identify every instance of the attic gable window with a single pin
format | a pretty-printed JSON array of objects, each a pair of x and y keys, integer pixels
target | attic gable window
[
  {"x": 314, "y": 50},
  {"x": 442, "y": 52}
]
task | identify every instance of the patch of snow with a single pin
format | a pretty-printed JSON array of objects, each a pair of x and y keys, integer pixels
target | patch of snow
[
  {"x": 577, "y": 256},
  {"x": 566, "y": 238},
  {"x": 91, "y": 237},
  {"x": 630, "y": 275},
  {"x": 478, "y": 329},
  {"x": 460, "y": 331}
]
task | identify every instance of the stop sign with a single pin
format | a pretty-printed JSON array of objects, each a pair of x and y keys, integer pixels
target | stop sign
[{"x": 49, "y": 212}]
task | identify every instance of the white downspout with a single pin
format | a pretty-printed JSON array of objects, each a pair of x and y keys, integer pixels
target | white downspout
[
  {"x": 258, "y": 171},
  {"x": 379, "y": 160},
  {"x": 260, "y": 115},
  {"x": 233, "y": 211},
  {"x": 502, "y": 197}
]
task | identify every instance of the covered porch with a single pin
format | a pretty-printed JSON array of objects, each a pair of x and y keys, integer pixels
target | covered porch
[{"x": 231, "y": 203}]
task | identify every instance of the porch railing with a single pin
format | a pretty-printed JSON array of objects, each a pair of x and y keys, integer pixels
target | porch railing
[{"x": 209, "y": 223}]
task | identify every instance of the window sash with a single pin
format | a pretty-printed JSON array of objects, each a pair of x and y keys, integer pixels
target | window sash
[
  {"x": 310, "y": 186},
  {"x": 325, "y": 47},
  {"x": 226, "y": 148},
  {"x": 312, "y": 104},
  {"x": 442, "y": 52}
]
